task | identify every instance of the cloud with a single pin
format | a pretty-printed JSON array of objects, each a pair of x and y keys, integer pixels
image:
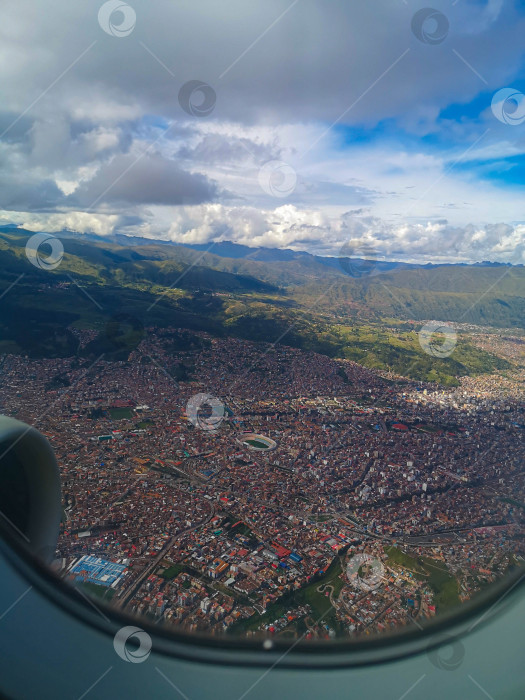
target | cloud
[
  {"x": 77, "y": 221},
  {"x": 312, "y": 65},
  {"x": 21, "y": 192},
  {"x": 144, "y": 179},
  {"x": 367, "y": 115},
  {"x": 290, "y": 227}
]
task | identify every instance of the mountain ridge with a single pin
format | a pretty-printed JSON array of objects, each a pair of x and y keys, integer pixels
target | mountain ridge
[{"x": 237, "y": 251}]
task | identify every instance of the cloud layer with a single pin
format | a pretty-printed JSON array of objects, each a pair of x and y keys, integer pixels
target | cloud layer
[{"x": 389, "y": 139}]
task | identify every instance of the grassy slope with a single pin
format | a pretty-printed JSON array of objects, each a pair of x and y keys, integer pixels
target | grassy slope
[
  {"x": 443, "y": 584},
  {"x": 37, "y": 314}
]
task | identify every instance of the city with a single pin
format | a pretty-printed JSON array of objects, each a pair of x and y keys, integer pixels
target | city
[
  {"x": 274, "y": 491},
  {"x": 262, "y": 350}
]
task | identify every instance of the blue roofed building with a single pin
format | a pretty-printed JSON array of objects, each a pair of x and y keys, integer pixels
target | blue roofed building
[{"x": 96, "y": 570}]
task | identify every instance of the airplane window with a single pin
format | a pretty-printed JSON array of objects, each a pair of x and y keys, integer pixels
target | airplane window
[{"x": 262, "y": 289}]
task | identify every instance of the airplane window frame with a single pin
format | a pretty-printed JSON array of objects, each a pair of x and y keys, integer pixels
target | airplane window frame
[{"x": 251, "y": 652}]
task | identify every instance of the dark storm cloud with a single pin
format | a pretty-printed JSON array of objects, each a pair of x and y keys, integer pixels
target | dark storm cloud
[
  {"x": 17, "y": 193},
  {"x": 217, "y": 148},
  {"x": 151, "y": 179},
  {"x": 313, "y": 64}
]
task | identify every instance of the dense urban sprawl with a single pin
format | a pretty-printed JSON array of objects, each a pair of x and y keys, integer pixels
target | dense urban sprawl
[{"x": 196, "y": 525}]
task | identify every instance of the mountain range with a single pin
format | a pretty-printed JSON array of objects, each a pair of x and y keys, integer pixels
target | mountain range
[{"x": 260, "y": 294}]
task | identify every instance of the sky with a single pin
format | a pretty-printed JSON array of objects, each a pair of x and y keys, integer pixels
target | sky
[{"x": 306, "y": 124}]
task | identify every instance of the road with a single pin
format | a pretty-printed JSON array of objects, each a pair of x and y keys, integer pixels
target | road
[{"x": 128, "y": 594}]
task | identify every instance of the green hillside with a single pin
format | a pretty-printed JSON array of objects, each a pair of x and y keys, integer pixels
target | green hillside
[{"x": 301, "y": 303}]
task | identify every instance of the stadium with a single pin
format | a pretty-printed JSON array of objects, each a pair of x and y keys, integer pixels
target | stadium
[{"x": 254, "y": 441}]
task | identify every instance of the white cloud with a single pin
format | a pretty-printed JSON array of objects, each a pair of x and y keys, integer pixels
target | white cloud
[
  {"x": 77, "y": 221},
  {"x": 91, "y": 103},
  {"x": 308, "y": 229}
]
